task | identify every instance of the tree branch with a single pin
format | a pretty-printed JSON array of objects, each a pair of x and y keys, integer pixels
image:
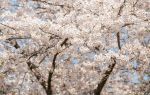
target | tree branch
[
  {"x": 121, "y": 7},
  {"x": 49, "y": 88},
  {"x": 102, "y": 83},
  {"x": 118, "y": 40},
  {"x": 135, "y": 3}
]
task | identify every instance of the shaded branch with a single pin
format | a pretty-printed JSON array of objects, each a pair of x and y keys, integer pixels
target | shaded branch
[
  {"x": 33, "y": 68},
  {"x": 49, "y": 87},
  {"x": 102, "y": 83},
  {"x": 118, "y": 40},
  {"x": 42, "y": 59},
  {"x": 64, "y": 42}
]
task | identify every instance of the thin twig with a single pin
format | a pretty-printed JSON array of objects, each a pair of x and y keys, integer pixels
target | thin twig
[
  {"x": 121, "y": 7},
  {"x": 8, "y": 26},
  {"x": 42, "y": 59},
  {"x": 54, "y": 35},
  {"x": 18, "y": 38},
  {"x": 127, "y": 24},
  {"x": 23, "y": 79},
  {"x": 135, "y": 3},
  {"x": 49, "y": 3}
]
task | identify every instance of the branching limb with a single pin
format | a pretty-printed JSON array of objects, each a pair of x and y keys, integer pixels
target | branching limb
[
  {"x": 49, "y": 87},
  {"x": 34, "y": 69}
]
